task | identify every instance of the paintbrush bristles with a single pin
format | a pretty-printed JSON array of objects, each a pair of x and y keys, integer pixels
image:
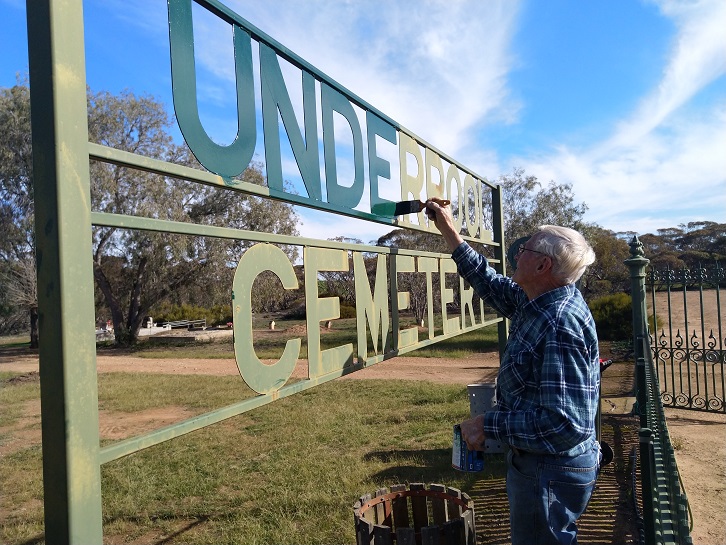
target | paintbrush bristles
[{"x": 403, "y": 208}]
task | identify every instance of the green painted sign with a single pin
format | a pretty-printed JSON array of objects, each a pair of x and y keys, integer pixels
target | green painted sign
[
  {"x": 423, "y": 171},
  {"x": 372, "y": 308},
  {"x": 335, "y": 127}
]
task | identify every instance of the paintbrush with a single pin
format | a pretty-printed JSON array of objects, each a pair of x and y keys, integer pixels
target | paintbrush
[{"x": 404, "y": 207}]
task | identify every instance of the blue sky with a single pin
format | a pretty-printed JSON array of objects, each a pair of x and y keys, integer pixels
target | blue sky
[{"x": 624, "y": 100}]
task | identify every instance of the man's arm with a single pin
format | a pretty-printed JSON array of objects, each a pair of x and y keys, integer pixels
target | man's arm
[{"x": 497, "y": 290}]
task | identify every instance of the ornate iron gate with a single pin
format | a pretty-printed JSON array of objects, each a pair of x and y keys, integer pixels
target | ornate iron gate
[{"x": 687, "y": 336}]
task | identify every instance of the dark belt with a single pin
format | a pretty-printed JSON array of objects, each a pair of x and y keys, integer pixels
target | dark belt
[
  {"x": 522, "y": 452},
  {"x": 517, "y": 451}
]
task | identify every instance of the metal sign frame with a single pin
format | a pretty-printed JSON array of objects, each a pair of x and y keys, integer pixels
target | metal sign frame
[{"x": 72, "y": 454}]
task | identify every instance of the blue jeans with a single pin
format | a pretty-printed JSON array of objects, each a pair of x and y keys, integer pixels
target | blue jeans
[{"x": 548, "y": 493}]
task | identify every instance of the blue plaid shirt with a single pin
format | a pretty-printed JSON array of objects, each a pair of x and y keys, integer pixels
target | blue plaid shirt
[{"x": 549, "y": 379}]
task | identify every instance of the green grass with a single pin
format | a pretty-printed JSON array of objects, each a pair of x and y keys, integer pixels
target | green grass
[
  {"x": 270, "y": 345},
  {"x": 288, "y": 472},
  {"x": 133, "y": 392},
  {"x": 11, "y": 341},
  {"x": 13, "y": 398}
]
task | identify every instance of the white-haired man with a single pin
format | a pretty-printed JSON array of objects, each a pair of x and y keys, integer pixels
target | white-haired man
[{"x": 548, "y": 383}]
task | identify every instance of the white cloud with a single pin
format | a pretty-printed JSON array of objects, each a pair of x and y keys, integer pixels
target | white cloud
[
  {"x": 665, "y": 164},
  {"x": 151, "y": 17},
  {"x": 670, "y": 176},
  {"x": 438, "y": 68},
  {"x": 698, "y": 57}
]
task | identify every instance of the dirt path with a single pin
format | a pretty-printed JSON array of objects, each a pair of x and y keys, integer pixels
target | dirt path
[
  {"x": 699, "y": 439},
  {"x": 476, "y": 368}
]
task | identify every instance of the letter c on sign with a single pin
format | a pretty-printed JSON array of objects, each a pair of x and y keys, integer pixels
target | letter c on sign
[{"x": 262, "y": 378}]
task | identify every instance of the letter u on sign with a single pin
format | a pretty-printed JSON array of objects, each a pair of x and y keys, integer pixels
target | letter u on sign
[{"x": 227, "y": 161}]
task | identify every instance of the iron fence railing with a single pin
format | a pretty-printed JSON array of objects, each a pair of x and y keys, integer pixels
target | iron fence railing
[
  {"x": 688, "y": 343},
  {"x": 666, "y": 511},
  {"x": 665, "y": 505}
]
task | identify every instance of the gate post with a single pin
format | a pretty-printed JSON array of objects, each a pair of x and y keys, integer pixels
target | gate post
[{"x": 637, "y": 263}]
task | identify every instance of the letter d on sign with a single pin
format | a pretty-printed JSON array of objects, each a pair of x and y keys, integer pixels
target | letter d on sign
[{"x": 262, "y": 378}]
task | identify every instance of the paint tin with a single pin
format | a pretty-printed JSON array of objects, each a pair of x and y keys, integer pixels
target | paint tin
[
  {"x": 482, "y": 399},
  {"x": 462, "y": 458}
]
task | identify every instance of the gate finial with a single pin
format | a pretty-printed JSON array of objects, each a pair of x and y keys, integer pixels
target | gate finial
[{"x": 636, "y": 247}]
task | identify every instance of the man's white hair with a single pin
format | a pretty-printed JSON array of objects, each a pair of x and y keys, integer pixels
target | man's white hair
[{"x": 570, "y": 252}]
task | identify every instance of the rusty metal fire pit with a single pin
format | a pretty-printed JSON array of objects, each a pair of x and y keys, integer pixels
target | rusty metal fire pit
[{"x": 415, "y": 516}]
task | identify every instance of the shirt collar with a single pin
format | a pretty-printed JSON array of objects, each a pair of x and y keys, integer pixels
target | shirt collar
[{"x": 551, "y": 296}]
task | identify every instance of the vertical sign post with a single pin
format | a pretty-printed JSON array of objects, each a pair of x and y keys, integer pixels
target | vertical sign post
[{"x": 68, "y": 380}]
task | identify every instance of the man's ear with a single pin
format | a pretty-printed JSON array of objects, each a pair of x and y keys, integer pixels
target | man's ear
[{"x": 545, "y": 265}]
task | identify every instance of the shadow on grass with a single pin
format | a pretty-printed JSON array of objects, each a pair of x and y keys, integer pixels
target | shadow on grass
[{"x": 430, "y": 466}]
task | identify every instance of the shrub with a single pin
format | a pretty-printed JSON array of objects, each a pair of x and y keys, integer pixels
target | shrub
[
  {"x": 347, "y": 311},
  {"x": 297, "y": 312},
  {"x": 613, "y": 316},
  {"x": 216, "y": 315}
]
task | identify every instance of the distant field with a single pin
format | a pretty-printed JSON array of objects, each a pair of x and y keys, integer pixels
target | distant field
[{"x": 687, "y": 316}]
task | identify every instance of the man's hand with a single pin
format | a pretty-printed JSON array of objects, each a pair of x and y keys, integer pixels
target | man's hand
[
  {"x": 442, "y": 218},
  {"x": 472, "y": 431}
]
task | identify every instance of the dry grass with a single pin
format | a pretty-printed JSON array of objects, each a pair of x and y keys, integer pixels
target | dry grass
[{"x": 682, "y": 311}]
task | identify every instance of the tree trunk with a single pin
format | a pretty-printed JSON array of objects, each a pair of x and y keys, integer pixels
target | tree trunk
[
  {"x": 113, "y": 304},
  {"x": 136, "y": 313},
  {"x": 34, "y": 336}
]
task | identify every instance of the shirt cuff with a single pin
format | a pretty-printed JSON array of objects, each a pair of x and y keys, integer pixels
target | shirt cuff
[{"x": 491, "y": 427}]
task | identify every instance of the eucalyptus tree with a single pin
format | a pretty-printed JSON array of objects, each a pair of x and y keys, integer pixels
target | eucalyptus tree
[
  {"x": 16, "y": 174},
  {"x": 702, "y": 241},
  {"x": 342, "y": 283},
  {"x": 416, "y": 283},
  {"x": 135, "y": 270},
  {"x": 689, "y": 245},
  {"x": 19, "y": 298},
  {"x": 16, "y": 212},
  {"x": 528, "y": 204},
  {"x": 608, "y": 274}
]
